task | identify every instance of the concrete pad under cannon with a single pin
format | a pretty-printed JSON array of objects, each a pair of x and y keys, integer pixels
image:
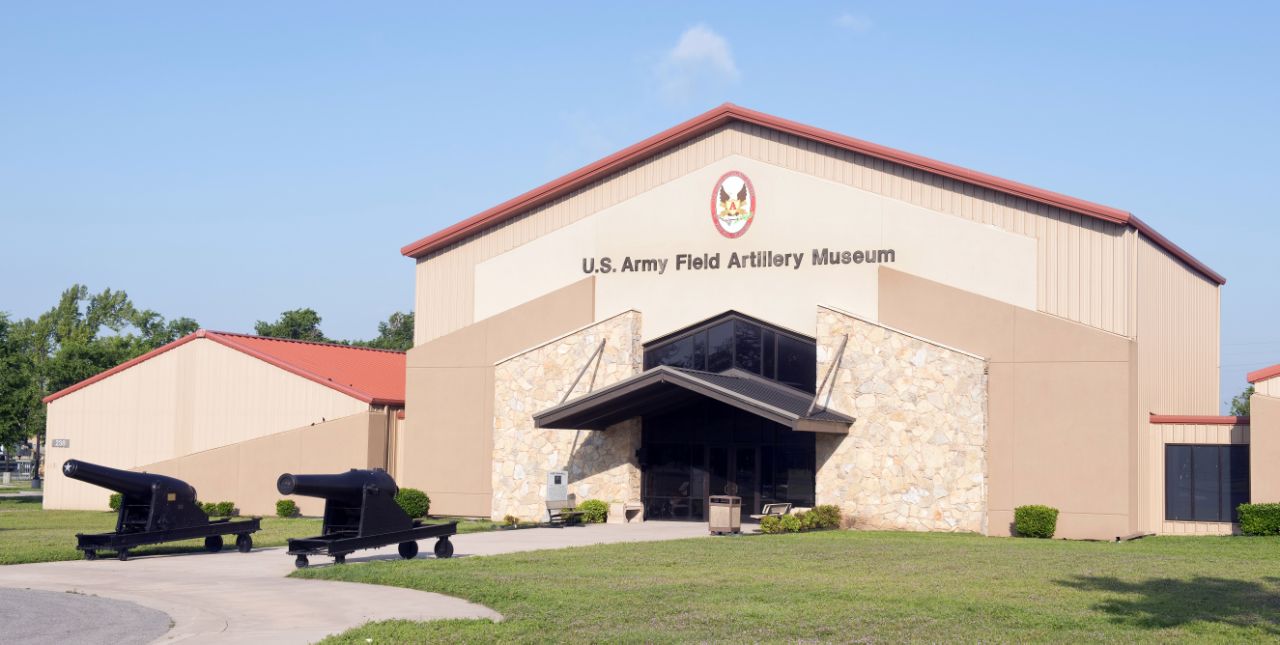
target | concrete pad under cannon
[{"x": 233, "y": 597}]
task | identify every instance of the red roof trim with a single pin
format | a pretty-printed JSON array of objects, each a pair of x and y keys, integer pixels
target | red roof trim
[
  {"x": 719, "y": 116},
  {"x": 227, "y": 339},
  {"x": 1263, "y": 374},
  {"x": 1199, "y": 420}
]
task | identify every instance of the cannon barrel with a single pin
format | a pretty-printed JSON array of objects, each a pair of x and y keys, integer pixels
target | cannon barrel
[
  {"x": 347, "y": 486},
  {"x": 121, "y": 481}
]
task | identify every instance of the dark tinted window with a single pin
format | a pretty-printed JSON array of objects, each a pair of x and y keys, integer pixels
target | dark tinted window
[
  {"x": 1205, "y": 483},
  {"x": 720, "y": 347},
  {"x": 797, "y": 363},
  {"x": 746, "y": 346},
  {"x": 768, "y": 350}
]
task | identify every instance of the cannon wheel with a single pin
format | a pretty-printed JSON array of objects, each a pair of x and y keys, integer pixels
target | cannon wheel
[
  {"x": 409, "y": 550},
  {"x": 301, "y": 562},
  {"x": 340, "y": 558},
  {"x": 244, "y": 543},
  {"x": 444, "y": 548},
  {"x": 213, "y": 543},
  {"x": 90, "y": 554},
  {"x": 122, "y": 555}
]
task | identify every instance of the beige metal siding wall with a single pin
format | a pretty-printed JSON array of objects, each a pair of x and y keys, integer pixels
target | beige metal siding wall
[
  {"x": 1161, "y": 434},
  {"x": 1268, "y": 387},
  {"x": 1085, "y": 265},
  {"x": 1178, "y": 354},
  {"x": 193, "y": 398}
]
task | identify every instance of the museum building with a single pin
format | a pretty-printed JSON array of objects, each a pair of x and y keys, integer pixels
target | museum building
[
  {"x": 744, "y": 303},
  {"x": 750, "y": 305}
]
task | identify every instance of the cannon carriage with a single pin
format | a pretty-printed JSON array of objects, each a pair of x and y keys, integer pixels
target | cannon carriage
[
  {"x": 360, "y": 512},
  {"x": 153, "y": 509}
]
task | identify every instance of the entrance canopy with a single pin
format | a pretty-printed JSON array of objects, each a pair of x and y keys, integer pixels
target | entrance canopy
[{"x": 665, "y": 388}]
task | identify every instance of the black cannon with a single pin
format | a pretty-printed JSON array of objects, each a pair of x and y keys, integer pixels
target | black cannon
[
  {"x": 153, "y": 509},
  {"x": 360, "y": 512}
]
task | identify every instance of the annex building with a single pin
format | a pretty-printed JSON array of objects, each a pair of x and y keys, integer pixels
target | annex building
[
  {"x": 747, "y": 303},
  {"x": 228, "y": 413}
]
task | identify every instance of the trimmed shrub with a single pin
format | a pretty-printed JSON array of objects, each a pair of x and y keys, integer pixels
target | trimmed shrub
[
  {"x": 511, "y": 520},
  {"x": 225, "y": 509},
  {"x": 209, "y": 508},
  {"x": 414, "y": 502},
  {"x": 286, "y": 508},
  {"x": 824, "y": 516},
  {"x": 593, "y": 510},
  {"x": 116, "y": 500},
  {"x": 1035, "y": 521},
  {"x": 781, "y": 524},
  {"x": 1260, "y": 519},
  {"x": 770, "y": 524}
]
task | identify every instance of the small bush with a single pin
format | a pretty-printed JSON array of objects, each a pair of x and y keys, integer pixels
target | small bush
[
  {"x": 225, "y": 509},
  {"x": 209, "y": 508},
  {"x": 286, "y": 508},
  {"x": 414, "y": 502},
  {"x": 825, "y": 516},
  {"x": 781, "y": 524},
  {"x": 115, "y": 501},
  {"x": 1035, "y": 521},
  {"x": 1260, "y": 519},
  {"x": 770, "y": 524},
  {"x": 511, "y": 520},
  {"x": 593, "y": 510}
]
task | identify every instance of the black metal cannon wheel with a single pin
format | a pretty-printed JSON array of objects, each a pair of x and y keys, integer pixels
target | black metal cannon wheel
[
  {"x": 90, "y": 554},
  {"x": 213, "y": 543},
  {"x": 444, "y": 548},
  {"x": 409, "y": 550},
  {"x": 301, "y": 562},
  {"x": 122, "y": 555},
  {"x": 244, "y": 543}
]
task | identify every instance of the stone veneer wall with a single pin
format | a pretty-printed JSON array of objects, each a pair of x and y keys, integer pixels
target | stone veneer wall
[
  {"x": 601, "y": 464},
  {"x": 915, "y": 459}
]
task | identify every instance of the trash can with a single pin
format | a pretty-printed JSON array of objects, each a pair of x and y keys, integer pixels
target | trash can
[{"x": 724, "y": 514}]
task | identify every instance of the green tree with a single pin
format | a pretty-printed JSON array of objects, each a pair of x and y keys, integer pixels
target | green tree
[
  {"x": 19, "y": 397},
  {"x": 1240, "y": 403},
  {"x": 395, "y": 333},
  {"x": 297, "y": 324}
]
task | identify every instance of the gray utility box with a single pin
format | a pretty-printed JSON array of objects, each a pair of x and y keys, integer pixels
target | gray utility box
[
  {"x": 724, "y": 514},
  {"x": 557, "y": 486}
]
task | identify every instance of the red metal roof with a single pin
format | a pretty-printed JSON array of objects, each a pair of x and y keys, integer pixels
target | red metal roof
[
  {"x": 1199, "y": 420},
  {"x": 1263, "y": 374},
  {"x": 375, "y": 376},
  {"x": 729, "y": 112}
]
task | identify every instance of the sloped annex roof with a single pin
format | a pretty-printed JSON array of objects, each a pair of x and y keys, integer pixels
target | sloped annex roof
[
  {"x": 1263, "y": 374},
  {"x": 375, "y": 376},
  {"x": 728, "y": 113},
  {"x": 665, "y": 387}
]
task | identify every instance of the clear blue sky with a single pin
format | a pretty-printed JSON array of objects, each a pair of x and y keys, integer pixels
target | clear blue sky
[{"x": 229, "y": 161}]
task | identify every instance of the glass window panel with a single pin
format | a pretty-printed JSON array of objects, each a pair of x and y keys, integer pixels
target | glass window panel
[
  {"x": 720, "y": 347},
  {"x": 767, "y": 354},
  {"x": 746, "y": 346},
  {"x": 1235, "y": 485},
  {"x": 1205, "y": 502},
  {"x": 797, "y": 363},
  {"x": 699, "y": 351},
  {"x": 677, "y": 353},
  {"x": 1177, "y": 482}
]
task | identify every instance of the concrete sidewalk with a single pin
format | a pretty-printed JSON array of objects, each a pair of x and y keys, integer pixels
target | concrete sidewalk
[{"x": 233, "y": 597}]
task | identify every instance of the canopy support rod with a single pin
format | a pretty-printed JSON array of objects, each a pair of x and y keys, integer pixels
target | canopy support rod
[
  {"x": 830, "y": 370},
  {"x": 599, "y": 351}
]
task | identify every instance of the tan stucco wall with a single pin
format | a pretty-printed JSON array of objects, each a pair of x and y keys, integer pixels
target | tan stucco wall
[
  {"x": 246, "y": 472},
  {"x": 601, "y": 463},
  {"x": 915, "y": 458},
  {"x": 193, "y": 398},
  {"x": 1264, "y": 449},
  {"x": 1062, "y": 417},
  {"x": 446, "y": 444}
]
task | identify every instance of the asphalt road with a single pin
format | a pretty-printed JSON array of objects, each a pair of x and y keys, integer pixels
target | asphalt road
[{"x": 55, "y": 618}]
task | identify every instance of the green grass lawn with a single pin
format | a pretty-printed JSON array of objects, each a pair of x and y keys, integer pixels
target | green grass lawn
[
  {"x": 850, "y": 587},
  {"x": 30, "y": 534}
]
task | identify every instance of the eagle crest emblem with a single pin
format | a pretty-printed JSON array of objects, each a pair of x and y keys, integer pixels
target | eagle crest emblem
[{"x": 733, "y": 204}]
